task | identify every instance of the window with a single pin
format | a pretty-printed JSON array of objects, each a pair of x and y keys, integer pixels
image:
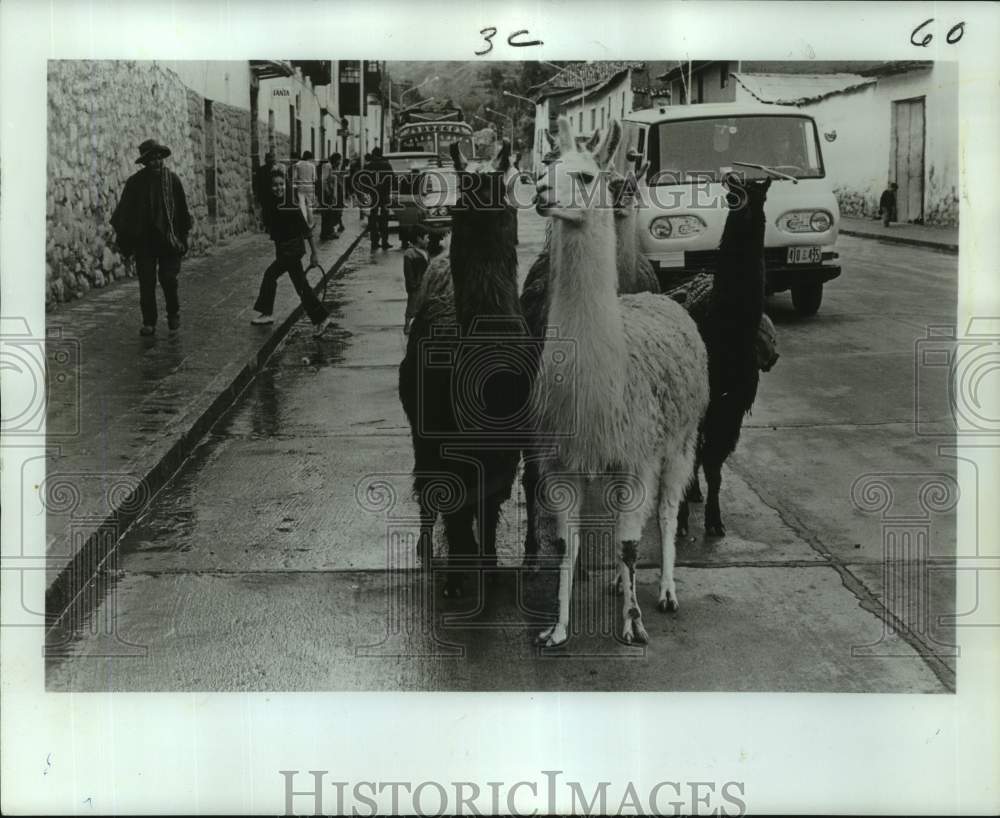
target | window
[
  {"x": 312, "y": 140},
  {"x": 579, "y": 125},
  {"x": 701, "y": 87},
  {"x": 602, "y": 116},
  {"x": 593, "y": 118},
  {"x": 350, "y": 72},
  {"x": 698, "y": 149},
  {"x": 723, "y": 74},
  {"x": 623, "y": 104}
]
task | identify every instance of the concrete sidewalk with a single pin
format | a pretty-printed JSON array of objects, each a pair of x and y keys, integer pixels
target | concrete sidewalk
[
  {"x": 127, "y": 415},
  {"x": 918, "y": 235}
]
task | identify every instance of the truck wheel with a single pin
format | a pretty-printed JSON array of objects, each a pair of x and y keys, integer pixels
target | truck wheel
[{"x": 807, "y": 297}]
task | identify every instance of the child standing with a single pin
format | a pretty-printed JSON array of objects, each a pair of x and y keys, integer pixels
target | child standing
[
  {"x": 289, "y": 231},
  {"x": 887, "y": 204}
]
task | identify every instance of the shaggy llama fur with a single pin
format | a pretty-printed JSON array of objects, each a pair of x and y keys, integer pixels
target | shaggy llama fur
[
  {"x": 455, "y": 383},
  {"x": 633, "y": 392}
]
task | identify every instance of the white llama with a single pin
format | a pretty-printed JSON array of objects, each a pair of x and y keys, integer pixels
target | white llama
[{"x": 635, "y": 392}]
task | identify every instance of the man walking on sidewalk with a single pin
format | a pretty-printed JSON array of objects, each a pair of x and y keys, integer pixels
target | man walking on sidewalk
[
  {"x": 380, "y": 174},
  {"x": 152, "y": 223},
  {"x": 290, "y": 231}
]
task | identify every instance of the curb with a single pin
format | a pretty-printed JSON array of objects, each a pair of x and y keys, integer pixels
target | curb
[
  {"x": 940, "y": 246},
  {"x": 93, "y": 564}
]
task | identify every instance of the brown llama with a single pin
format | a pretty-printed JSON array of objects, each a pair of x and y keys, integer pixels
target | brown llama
[{"x": 456, "y": 383}]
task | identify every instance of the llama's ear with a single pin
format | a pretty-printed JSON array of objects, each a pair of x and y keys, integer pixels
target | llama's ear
[
  {"x": 612, "y": 139},
  {"x": 501, "y": 162},
  {"x": 457, "y": 158},
  {"x": 553, "y": 144},
  {"x": 592, "y": 142},
  {"x": 566, "y": 144}
]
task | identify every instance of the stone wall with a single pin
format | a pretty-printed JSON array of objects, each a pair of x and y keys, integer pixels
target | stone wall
[
  {"x": 940, "y": 203},
  {"x": 233, "y": 172},
  {"x": 98, "y": 113}
]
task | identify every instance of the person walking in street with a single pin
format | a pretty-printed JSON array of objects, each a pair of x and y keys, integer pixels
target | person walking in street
[
  {"x": 289, "y": 230},
  {"x": 304, "y": 184},
  {"x": 415, "y": 261},
  {"x": 262, "y": 180},
  {"x": 887, "y": 204},
  {"x": 337, "y": 167},
  {"x": 152, "y": 223},
  {"x": 380, "y": 176},
  {"x": 332, "y": 199}
]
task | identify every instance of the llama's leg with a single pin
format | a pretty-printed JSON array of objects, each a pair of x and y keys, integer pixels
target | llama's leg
[
  {"x": 461, "y": 548},
  {"x": 693, "y": 493},
  {"x": 488, "y": 537},
  {"x": 713, "y": 514},
  {"x": 675, "y": 469},
  {"x": 529, "y": 482},
  {"x": 425, "y": 541},
  {"x": 628, "y": 533},
  {"x": 569, "y": 547},
  {"x": 682, "y": 518}
]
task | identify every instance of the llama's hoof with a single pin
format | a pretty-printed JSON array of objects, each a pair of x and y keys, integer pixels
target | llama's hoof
[
  {"x": 552, "y": 637},
  {"x": 715, "y": 529},
  {"x": 453, "y": 587},
  {"x": 668, "y": 604},
  {"x": 634, "y": 633}
]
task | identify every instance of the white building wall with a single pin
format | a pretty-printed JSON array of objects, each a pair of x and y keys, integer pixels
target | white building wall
[
  {"x": 278, "y": 93},
  {"x": 601, "y": 107},
  {"x": 858, "y": 161}
]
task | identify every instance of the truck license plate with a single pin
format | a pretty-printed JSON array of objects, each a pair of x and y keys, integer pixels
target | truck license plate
[{"x": 805, "y": 255}]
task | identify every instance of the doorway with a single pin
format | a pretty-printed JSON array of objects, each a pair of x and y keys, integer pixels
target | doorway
[{"x": 907, "y": 161}]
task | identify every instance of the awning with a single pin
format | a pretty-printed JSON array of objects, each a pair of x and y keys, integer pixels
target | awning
[{"x": 271, "y": 69}]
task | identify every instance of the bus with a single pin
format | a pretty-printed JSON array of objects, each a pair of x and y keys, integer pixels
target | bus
[{"x": 436, "y": 137}]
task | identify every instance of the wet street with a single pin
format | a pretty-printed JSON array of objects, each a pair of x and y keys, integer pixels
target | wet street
[{"x": 263, "y": 564}]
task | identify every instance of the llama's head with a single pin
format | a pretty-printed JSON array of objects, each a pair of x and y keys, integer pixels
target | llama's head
[
  {"x": 482, "y": 186},
  {"x": 577, "y": 183},
  {"x": 744, "y": 228},
  {"x": 625, "y": 192},
  {"x": 746, "y": 195}
]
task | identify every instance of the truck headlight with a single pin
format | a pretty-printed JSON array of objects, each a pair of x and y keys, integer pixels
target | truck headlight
[
  {"x": 676, "y": 227},
  {"x": 805, "y": 221},
  {"x": 820, "y": 221}
]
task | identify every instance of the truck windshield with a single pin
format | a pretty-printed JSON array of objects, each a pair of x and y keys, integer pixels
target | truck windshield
[{"x": 692, "y": 150}]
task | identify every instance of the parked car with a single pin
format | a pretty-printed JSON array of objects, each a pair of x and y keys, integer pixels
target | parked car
[
  {"x": 408, "y": 168},
  {"x": 690, "y": 147}
]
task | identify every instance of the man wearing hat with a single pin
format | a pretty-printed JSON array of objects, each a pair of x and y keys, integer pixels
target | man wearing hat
[{"x": 152, "y": 223}]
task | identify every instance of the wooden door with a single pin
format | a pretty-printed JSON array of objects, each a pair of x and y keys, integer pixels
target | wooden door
[{"x": 908, "y": 157}]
